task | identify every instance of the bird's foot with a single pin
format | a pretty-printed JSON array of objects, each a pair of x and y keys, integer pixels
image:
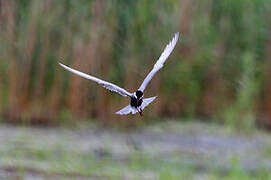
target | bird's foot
[{"x": 141, "y": 112}]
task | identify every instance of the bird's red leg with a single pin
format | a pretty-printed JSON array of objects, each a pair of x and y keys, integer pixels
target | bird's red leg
[{"x": 140, "y": 112}]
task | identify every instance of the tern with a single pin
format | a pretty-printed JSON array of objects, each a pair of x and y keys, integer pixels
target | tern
[{"x": 138, "y": 102}]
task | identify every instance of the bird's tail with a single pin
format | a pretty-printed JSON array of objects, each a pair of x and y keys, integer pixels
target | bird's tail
[
  {"x": 129, "y": 109},
  {"x": 126, "y": 110}
]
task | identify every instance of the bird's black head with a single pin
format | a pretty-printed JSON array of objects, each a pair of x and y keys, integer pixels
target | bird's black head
[{"x": 139, "y": 94}]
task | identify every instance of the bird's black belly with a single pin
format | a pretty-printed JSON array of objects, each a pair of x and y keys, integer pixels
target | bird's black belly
[{"x": 135, "y": 102}]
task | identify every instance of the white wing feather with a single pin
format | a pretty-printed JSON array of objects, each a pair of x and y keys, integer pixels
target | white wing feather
[
  {"x": 147, "y": 101},
  {"x": 107, "y": 85},
  {"x": 160, "y": 62}
]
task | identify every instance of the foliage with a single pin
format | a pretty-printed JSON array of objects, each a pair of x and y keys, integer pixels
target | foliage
[{"x": 217, "y": 70}]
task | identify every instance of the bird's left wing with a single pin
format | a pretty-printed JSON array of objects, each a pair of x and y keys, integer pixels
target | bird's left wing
[
  {"x": 107, "y": 85},
  {"x": 160, "y": 62}
]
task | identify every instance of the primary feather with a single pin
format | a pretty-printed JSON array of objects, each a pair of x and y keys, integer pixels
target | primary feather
[
  {"x": 107, "y": 85},
  {"x": 160, "y": 62}
]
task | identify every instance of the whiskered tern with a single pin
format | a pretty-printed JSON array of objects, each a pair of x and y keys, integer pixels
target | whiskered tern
[{"x": 138, "y": 102}]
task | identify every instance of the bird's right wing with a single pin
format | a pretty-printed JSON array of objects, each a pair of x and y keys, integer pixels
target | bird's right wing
[
  {"x": 147, "y": 101},
  {"x": 107, "y": 85},
  {"x": 160, "y": 62}
]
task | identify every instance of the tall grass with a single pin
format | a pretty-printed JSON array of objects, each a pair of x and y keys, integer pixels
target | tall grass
[{"x": 219, "y": 63}]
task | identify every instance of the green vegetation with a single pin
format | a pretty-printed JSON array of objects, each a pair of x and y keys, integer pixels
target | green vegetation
[
  {"x": 137, "y": 166},
  {"x": 165, "y": 151},
  {"x": 219, "y": 69}
]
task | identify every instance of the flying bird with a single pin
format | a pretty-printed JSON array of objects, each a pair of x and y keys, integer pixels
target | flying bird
[{"x": 138, "y": 102}]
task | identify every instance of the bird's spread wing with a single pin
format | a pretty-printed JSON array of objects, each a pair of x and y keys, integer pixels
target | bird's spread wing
[
  {"x": 160, "y": 62},
  {"x": 107, "y": 85},
  {"x": 147, "y": 101}
]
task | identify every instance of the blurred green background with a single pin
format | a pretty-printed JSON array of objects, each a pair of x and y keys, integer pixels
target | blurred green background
[{"x": 218, "y": 71}]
